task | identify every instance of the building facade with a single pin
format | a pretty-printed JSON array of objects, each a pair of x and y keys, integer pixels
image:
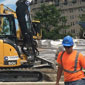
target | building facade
[{"x": 72, "y": 9}]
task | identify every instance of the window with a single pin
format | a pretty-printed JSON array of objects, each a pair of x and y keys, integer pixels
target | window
[
  {"x": 47, "y": 0},
  {"x": 41, "y": 1},
  {"x": 7, "y": 25},
  {"x": 73, "y": 1},
  {"x": 72, "y": 17},
  {"x": 72, "y": 23},
  {"x": 80, "y": 9},
  {"x": 72, "y": 30},
  {"x": 83, "y": 0},
  {"x": 71, "y": 10},
  {"x": 77, "y": 22},
  {"x": 65, "y": 2},
  {"x": 57, "y": 2},
  {"x": 35, "y": 1}
]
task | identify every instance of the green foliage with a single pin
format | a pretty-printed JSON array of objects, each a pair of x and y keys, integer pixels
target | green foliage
[
  {"x": 82, "y": 17},
  {"x": 51, "y": 21}
]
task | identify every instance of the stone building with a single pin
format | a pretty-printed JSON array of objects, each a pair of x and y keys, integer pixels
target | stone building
[{"x": 72, "y": 9}]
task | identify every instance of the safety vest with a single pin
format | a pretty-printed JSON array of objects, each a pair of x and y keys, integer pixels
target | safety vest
[{"x": 75, "y": 66}]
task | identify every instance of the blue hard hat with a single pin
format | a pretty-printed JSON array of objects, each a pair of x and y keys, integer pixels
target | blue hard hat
[{"x": 67, "y": 41}]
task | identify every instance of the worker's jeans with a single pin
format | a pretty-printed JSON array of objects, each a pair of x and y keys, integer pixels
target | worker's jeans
[{"x": 78, "y": 82}]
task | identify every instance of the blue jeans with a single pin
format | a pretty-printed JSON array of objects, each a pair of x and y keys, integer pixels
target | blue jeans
[{"x": 78, "y": 82}]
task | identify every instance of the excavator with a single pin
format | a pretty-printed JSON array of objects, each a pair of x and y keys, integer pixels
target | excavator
[
  {"x": 37, "y": 31},
  {"x": 17, "y": 55}
]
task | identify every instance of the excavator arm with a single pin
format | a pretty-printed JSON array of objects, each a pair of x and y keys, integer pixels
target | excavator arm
[{"x": 25, "y": 23}]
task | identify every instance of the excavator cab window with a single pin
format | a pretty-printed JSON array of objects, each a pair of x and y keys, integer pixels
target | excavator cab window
[
  {"x": 28, "y": 23},
  {"x": 7, "y": 27},
  {"x": 36, "y": 26}
]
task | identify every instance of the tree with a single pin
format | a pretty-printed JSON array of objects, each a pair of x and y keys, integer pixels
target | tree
[
  {"x": 82, "y": 17},
  {"x": 51, "y": 21}
]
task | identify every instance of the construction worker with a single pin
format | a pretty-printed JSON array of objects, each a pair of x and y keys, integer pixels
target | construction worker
[{"x": 71, "y": 63}]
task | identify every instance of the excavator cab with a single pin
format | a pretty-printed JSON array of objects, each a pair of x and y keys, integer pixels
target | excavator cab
[
  {"x": 7, "y": 27},
  {"x": 37, "y": 34}
]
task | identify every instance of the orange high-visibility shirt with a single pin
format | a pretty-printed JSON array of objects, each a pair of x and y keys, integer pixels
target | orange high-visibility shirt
[{"x": 68, "y": 62}]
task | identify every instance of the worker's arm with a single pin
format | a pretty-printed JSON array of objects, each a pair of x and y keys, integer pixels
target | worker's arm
[{"x": 59, "y": 73}]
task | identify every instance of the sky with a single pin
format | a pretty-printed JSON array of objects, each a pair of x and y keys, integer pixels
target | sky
[{"x": 10, "y": 3}]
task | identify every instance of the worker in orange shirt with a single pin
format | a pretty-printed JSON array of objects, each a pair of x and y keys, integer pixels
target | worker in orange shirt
[{"x": 71, "y": 62}]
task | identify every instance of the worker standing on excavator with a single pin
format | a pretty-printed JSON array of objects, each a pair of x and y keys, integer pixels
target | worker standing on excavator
[{"x": 71, "y": 62}]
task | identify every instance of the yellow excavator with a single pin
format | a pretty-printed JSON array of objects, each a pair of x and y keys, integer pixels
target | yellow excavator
[
  {"x": 37, "y": 34},
  {"x": 18, "y": 54}
]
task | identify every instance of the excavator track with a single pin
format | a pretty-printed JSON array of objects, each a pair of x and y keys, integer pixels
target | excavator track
[{"x": 20, "y": 75}]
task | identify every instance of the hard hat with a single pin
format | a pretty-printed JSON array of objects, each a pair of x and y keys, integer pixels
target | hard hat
[{"x": 67, "y": 41}]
